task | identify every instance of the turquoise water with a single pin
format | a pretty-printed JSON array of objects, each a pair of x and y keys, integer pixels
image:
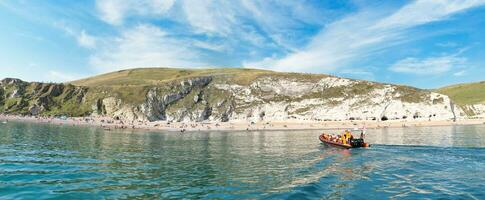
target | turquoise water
[{"x": 47, "y": 161}]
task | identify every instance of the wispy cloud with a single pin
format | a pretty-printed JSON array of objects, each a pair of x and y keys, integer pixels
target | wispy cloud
[
  {"x": 144, "y": 46},
  {"x": 82, "y": 37},
  {"x": 244, "y": 28},
  {"x": 261, "y": 24},
  {"x": 86, "y": 40},
  {"x": 212, "y": 17},
  {"x": 433, "y": 65},
  {"x": 427, "y": 66},
  {"x": 460, "y": 73},
  {"x": 115, "y": 11},
  {"x": 425, "y": 11},
  {"x": 447, "y": 44},
  {"x": 364, "y": 33}
]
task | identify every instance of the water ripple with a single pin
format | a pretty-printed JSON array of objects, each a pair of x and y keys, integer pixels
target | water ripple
[{"x": 45, "y": 161}]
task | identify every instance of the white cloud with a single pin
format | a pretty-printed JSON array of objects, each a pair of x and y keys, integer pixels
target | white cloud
[
  {"x": 112, "y": 11},
  {"x": 210, "y": 16},
  {"x": 223, "y": 19},
  {"x": 428, "y": 66},
  {"x": 260, "y": 26},
  {"x": 364, "y": 33},
  {"x": 227, "y": 26},
  {"x": 86, "y": 40},
  {"x": 281, "y": 20},
  {"x": 210, "y": 46},
  {"x": 261, "y": 23},
  {"x": 144, "y": 46},
  {"x": 460, "y": 73},
  {"x": 447, "y": 44},
  {"x": 82, "y": 37},
  {"x": 328, "y": 50},
  {"x": 425, "y": 11},
  {"x": 115, "y": 11}
]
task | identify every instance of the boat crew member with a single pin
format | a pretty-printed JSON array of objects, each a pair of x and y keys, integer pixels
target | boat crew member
[
  {"x": 344, "y": 140},
  {"x": 349, "y": 136}
]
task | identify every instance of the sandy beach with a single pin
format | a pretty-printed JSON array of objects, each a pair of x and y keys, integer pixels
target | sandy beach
[{"x": 111, "y": 124}]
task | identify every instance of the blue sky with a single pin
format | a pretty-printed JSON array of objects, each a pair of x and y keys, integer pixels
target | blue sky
[{"x": 427, "y": 44}]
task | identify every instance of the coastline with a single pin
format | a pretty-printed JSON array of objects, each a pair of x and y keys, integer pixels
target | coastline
[{"x": 111, "y": 124}]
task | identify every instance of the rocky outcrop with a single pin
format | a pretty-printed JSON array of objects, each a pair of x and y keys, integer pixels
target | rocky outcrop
[
  {"x": 475, "y": 110},
  {"x": 10, "y": 81},
  {"x": 19, "y": 97},
  {"x": 158, "y": 99}
]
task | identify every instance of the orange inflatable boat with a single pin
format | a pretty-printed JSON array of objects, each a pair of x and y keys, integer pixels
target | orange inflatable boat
[{"x": 338, "y": 142}]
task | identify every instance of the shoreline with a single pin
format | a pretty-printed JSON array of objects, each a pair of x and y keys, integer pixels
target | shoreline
[{"x": 111, "y": 124}]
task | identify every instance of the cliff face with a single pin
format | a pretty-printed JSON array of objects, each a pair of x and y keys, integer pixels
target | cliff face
[
  {"x": 19, "y": 97},
  {"x": 334, "y": 98},
  {"x": 469, "y": 96},
  {"x": 475, "y": 110},
  {"x": 225, "y": 97}
]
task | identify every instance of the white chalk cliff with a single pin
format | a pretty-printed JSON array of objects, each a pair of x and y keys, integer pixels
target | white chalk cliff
[
  {"x": 270, "y": 98},
  {"x": 215, "y": 97}
]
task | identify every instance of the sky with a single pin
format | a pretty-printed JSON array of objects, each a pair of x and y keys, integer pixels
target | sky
[{"x": 424, "y": 43}]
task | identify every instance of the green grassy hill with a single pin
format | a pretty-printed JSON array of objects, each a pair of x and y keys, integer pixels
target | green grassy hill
[
  {"x": 465, "y": 94},
  {"x": 160, "y": 76}
]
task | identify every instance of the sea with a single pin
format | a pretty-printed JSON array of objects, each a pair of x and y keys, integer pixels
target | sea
[{"x": 44, "y": 161}]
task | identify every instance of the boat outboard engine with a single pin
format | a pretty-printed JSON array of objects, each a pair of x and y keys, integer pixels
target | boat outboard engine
[{"x": 357, "y": 142}]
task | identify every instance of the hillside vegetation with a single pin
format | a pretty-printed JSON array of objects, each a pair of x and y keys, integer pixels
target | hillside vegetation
[
  {"x": 160, "y": 76},
  {"x": 466, "y": 94}
]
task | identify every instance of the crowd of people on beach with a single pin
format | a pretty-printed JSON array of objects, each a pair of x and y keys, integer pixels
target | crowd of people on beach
[{"x": 108, "y": 123}]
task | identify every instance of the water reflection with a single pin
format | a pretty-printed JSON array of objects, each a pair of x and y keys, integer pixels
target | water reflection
[{"x": 445, "y": 136}]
